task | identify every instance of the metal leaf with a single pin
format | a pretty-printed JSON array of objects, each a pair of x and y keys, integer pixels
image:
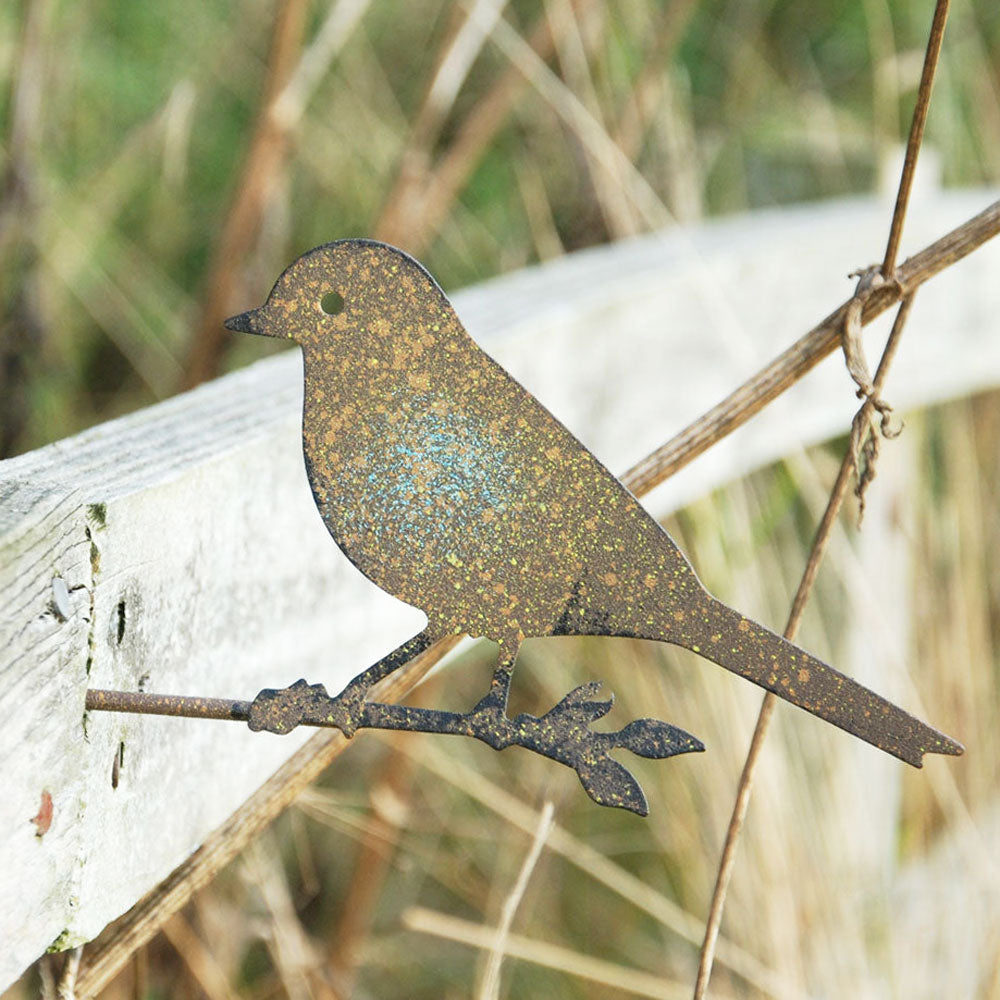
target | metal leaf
[
  {"x": 609, "y": 783},
  {"x": 577, "y": 706},
  {"x": 655, "y": 739}
]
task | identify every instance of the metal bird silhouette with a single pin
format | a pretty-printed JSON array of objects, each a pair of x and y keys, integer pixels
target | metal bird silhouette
[{"x": 452, "y": 488}]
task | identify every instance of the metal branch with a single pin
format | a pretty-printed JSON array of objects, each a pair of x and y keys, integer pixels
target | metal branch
[
  {"x": 109, "y": 952},
  {"x": 189, "y": 707}
]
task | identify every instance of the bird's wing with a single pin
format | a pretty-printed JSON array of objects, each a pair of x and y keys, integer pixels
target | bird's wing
[{"x": 576, "y": 550}]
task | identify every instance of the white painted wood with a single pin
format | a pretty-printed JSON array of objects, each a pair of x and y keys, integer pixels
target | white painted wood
[
  {"x": 194, "y": 518},
  {"x": 628, "y": 344},
  {"x": 193, "y": 522}
]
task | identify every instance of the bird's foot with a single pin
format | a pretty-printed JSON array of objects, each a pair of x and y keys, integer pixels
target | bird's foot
[
  {"x": 564, "y": 734},
  {"x": 280, "y": 711}
]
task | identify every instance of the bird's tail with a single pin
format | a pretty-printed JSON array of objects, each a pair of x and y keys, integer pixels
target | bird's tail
[{"x": 752, "y": 651}]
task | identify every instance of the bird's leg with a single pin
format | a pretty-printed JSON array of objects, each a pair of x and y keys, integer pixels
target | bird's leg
[
  {"x": 280, "y": 711},
  {"x": 494, "y": 702},
  {"x": 350, "y": 700},
  {"x": 562, "y": 734}
]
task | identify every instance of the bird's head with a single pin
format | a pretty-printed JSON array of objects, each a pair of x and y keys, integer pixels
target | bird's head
[{"x": 355, "y": 288}]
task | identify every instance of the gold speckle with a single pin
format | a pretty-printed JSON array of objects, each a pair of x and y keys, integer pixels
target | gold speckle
[{"x": 424, "y": 455}]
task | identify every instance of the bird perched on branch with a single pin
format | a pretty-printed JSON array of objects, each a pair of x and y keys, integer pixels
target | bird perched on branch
[{"x": 452, "y": 488}]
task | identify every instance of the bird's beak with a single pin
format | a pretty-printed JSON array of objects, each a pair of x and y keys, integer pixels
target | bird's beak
[{"x": 249, "y": 322}]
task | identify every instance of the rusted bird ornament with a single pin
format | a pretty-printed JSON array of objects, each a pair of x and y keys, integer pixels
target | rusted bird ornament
[{"x": 452, "y": 488}]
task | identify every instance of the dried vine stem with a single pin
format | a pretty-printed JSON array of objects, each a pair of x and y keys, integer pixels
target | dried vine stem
[
  {"x": 849, "y": 464},
  {"x": 745, "y": 786},
  {"x": 916, "y": 136}
]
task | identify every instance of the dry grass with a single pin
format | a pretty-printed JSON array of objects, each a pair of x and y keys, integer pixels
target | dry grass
[{"x": 562, "y": 125}]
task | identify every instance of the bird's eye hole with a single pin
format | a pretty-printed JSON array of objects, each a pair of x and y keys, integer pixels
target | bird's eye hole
[{"x": 332, "y": 303}]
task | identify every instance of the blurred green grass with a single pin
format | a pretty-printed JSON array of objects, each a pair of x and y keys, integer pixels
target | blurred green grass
[
  {"x": 126, "y": 133},
  {"x": 120, "y": 179}
]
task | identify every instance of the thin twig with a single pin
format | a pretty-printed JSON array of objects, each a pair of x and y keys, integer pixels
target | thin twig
[
  {"x": 66, "y": 988},
  {"x": 421, "y": 195},
  {"x": 490, "y": 988},
  {"x": 457, "y": 58},
  {"x": 389, "y": 797},
  {"x": 291, "y": 950},
  {"x": 931, "y": 58},
  {"x": 292, "y": 78},
  {"x": 202, "y": 965},
  {"x": 621, "y": 979},
  {"x": 47, "y": 977},
  {"x": 591, "y": 133},
  {"x": 667, "y": 33},
  {"x": 745, "y": 787},
  {"x": 600, "y": 868},
  {"x": 575, "y": 56}
]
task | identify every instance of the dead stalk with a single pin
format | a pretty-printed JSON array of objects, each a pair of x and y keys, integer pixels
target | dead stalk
[
  {"x": 913, "y": 144},
  {"x": 837, "y": 494},
  {"x": 745, "y": 786}
]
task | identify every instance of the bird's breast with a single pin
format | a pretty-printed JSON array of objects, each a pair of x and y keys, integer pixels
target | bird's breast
[{"x": 417, "y": 497}]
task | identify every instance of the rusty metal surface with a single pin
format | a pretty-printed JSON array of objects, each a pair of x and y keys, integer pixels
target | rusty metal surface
[
  {"x": 561, "y": 734},
  {"x": 452, "y": 488},
  {"x": 100, "y": 700}
]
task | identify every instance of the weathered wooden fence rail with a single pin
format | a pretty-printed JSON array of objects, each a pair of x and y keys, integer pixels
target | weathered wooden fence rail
[{"x": 177, "y": 549}]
